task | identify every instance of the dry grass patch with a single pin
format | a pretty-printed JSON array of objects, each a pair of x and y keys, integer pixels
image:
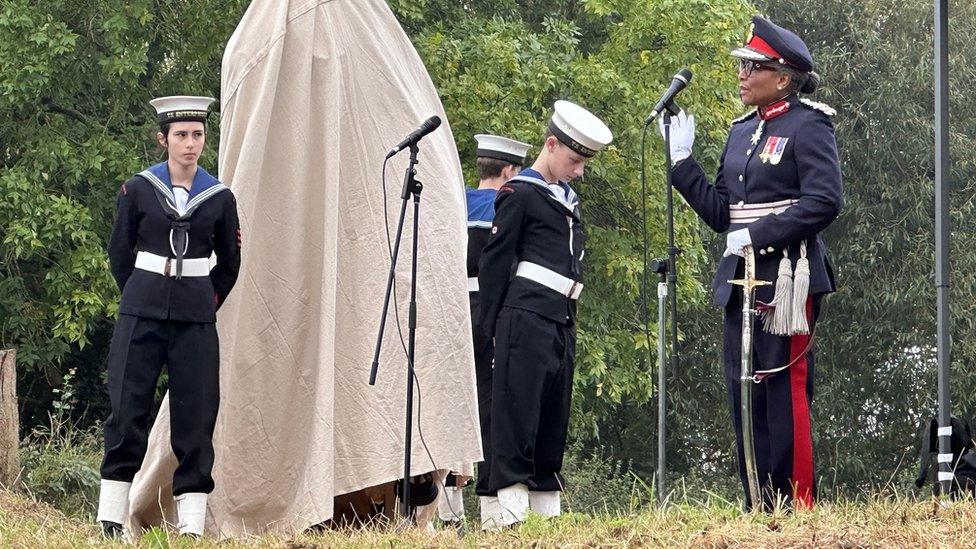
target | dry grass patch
[{"x": 878, "y": 523}]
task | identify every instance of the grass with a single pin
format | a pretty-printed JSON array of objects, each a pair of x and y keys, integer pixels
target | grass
[
  {"x": 880, "y": 522},
  {"x": 607, "y": 507},
  {"x": 60, "y": 466}
]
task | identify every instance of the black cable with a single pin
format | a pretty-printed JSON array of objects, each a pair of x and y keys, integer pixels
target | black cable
[{"x": 403, "y": 345}]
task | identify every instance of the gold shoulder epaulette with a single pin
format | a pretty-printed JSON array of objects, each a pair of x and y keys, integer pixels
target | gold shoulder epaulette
[{"x": 822, "y": 107}]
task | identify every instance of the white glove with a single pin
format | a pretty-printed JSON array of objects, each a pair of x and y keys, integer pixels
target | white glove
[
  {"x": 682, "y": 135},
  {"x": 736, "y": 241}
]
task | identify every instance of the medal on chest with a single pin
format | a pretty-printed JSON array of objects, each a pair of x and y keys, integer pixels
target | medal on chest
[{"x": 773, "y": 150}]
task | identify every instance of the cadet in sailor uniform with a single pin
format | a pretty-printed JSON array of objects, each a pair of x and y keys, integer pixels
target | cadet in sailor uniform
[
  {"x": 538, "y": 228},
  {"x": 499, "y": 159},
  {"x": 171, "y": 218},
  {"x": 778, "y": 187}
]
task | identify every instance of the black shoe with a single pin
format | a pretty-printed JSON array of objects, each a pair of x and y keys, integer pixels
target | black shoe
[{"x": 111, "y": 530}]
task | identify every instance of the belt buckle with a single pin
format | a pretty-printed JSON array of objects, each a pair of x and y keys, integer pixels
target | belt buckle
[
  {"x": 572, "y": 289},
  {"x": 166, "y": 267}
]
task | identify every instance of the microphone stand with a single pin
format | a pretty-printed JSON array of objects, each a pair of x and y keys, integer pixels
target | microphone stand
[
  {"x": 667, "y": 299},
  {"x": 411, "y": 187}
]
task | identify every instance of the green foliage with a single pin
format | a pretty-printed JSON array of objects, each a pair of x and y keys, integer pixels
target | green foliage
[
  {"x": 60, "y": 460},
  {"x": 601, "y": 484},
  {"x": 33, "y": 48},
  {"x": 60, "y": 464}
]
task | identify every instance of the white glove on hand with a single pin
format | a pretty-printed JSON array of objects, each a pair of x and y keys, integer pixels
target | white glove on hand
[
  {"x": 736, "y": 241},
  {"x": 682, "y": 135}
]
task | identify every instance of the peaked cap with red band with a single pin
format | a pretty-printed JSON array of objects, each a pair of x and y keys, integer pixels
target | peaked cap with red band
[{"x": 771, "y": 42}]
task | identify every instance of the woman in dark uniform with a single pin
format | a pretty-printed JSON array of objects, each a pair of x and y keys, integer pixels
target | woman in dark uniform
[
  {"x": 171, "y": 218},
  {"x": 778, "y": 187}
]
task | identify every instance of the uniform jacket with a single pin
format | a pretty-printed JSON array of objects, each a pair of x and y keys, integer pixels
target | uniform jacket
[
  {"x": 531, "y": 224},
  {"x": 146, "y": 216},
  {"x": 787, "y": 153}
]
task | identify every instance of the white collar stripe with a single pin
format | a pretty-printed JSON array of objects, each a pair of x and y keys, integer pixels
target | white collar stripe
[
  {"x": 151, "y": 177},
  {"x": 163, "y": 188},
  {"x": 198, "y": 199}
]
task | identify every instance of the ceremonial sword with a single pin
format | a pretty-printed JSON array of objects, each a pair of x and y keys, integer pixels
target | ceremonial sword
[{"x": 749, "y": 283}]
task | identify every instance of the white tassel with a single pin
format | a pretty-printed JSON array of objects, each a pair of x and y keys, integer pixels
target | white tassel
[
  {"x": 801, "y": 287},
  {"x": 777, "y": 318}
]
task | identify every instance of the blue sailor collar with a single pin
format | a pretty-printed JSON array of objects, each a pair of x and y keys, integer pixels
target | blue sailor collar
[
  {"x": 204, "y": 187},
  {"x": 528, "y": 175},
  {"x": 481, "y": 207}
]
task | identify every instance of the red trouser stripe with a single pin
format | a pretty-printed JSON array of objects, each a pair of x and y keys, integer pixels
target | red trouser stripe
[{"x": 802, "y": 437}]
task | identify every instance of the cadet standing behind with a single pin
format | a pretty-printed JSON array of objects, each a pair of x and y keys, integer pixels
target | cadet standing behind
[
  {"x": 499, "y": 159},
  {"x": 778, "y": 187},
  {"x": 532, "y": 315},
  {"x": 171, "y": 218}
]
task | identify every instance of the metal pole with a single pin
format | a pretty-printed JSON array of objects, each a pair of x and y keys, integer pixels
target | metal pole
[
  {"x": 662, "y": 398},
  {"x": 673, "y": 250},
  {"x": 411, "y": 354},
  {"x": 942, "y": 234},
  {"x": 669, "y": 278}
]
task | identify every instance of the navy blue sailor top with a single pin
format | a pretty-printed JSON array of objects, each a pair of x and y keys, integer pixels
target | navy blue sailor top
[
  {"x": 531, "y": 224},
  {"x": 786, "y": 154},
  {"x": 148, "y": 220}
]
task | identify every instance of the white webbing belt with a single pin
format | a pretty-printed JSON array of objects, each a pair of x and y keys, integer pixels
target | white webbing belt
[
  {"x": 550, "y": 279},
  {"x": 743, "y": 213},
  {"x": 473, "y": 284},
  {"x": 166, "y": 266}
]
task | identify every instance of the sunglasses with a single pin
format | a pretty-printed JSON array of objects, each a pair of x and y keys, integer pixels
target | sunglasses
[{"x": 747, "y": 67}]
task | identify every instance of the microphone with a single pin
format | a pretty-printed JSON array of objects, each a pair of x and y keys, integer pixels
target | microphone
[
  {"x": 679, "y": 83},
  {"x": 428, "y": 126}
]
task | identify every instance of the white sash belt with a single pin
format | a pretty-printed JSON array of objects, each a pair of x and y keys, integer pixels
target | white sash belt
[
  {"x": 473, "y": 284},
  {"x": 166, "y": 266},
  {"x": 550, "y": 279},
  {"x": 743, "y": 213}
]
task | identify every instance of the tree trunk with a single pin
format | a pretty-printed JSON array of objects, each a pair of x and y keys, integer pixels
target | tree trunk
[{"x": 9, "y": 422}]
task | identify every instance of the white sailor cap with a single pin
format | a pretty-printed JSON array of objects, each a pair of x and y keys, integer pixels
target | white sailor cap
[
  {"x": 182, "y": 108},
  {"x": 502, "y": 148},
  {"x": 579, "y": 129}
]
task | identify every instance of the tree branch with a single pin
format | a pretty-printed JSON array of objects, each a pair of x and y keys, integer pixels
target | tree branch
[{"x": 69, "y": 112}]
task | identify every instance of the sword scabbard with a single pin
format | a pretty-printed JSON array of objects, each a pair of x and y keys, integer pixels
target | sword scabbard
[{"x": 749, "y": 283}]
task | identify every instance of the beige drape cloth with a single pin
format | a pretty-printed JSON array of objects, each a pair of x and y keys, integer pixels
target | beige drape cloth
[{"x": 314, "y": 92}]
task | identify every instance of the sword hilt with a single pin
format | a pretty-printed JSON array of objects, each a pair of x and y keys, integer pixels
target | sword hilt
[{"x": 749, "y": 281}]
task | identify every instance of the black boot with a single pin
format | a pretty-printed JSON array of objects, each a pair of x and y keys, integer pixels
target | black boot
[{"x": 111, "y": 530}]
